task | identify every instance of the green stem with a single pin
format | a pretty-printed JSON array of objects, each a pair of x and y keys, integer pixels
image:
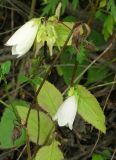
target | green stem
[
  {"x": 6, "y": 105},
  {"x": 74, "y": 72},
  {"x": 33, "y": 3}
]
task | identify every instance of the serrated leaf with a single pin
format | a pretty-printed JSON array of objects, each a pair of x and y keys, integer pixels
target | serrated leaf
[
  {"x": 9, "y": 129},
  {"x": 32, "y": 126},
  {"x": 89, "y": 109},
  {"x": 6, "y": 67},
  {"x": 51, "y": 152},
  {"x": 49, "y": 97}
]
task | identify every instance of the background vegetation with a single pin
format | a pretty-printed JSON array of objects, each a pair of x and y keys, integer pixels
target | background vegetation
[{"x": 26, "y": 129}]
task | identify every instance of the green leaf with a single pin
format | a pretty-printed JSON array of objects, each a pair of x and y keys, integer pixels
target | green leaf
[
  {"x": 50, "y": 7},
  {"x": 111, "y": 7},
  {"x": 22, "y": 79},
  {"x": 67, "y": 62},
  {"x": 62, "y": 31},
  {"x": 75, "y": 3},
  {"x": 32, "y": 126},
  {"x": 9, "y": 127},
  {"x": 108, "y": 27},
  {"x": 81, "y": 56},
  {"x": 51, "y": 152},
  {"x": 89, "y": 109},
  {"x": 64, "y": 5},
  {"x": 98, "y": 157},
  {"x": 6, "y": 67},
  {"x": 103, "y": 156},
  {"x": 102, "y": 4},
  {"x": 49, "y": 97},
  {"x": 95, "y": 74},
  {"x": 97, "y": 38}
]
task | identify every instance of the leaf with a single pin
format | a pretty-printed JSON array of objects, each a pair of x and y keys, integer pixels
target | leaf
[
  {"x": 9, "y": 129},
  {"x": 49, "y": 97},
  {"x": 103, "y": 156},
  {"x": 6, "y": 67},
  {"x": 22, "y": 79},
  {"x": 102, "y": 4},
  {"x": 50, "y": 7},
  {"x": 75, "y": 3},
  {"x": 111, "y": 6},
  {"x": 81, "y": 56},
  {"x": 62, "y": 31},
  {"x": 95, "y": 74},
  {"x": 51, "y": 152},
  {"x": 98, "y": 157},
  {"x": 58, "y": 10},
  {"x": 64, "y": 5},
  {"x": 67, "y": 62},
  {"x": 97, "y": 38},
  {"x": 108, "y": 27},
  {"x": 32, "y": 126},
  {"x": 89, "y": 109}
]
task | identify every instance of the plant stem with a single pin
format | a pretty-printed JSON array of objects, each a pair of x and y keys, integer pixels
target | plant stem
[
  {"x": 47, "y": 73},
  {"x": 93, "y": 62},
  {"x": 33, "y": 3},
  {"x": 74, "y": 72}
]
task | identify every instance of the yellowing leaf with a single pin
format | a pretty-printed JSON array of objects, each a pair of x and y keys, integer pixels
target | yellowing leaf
[
  {"x": 51, "y": 152},
  {"x": 89, "y": 109},
  {"x": 32, "y": 126},
  {"x": 63, "y": 31},
  {"x": 49, "y": 97}
]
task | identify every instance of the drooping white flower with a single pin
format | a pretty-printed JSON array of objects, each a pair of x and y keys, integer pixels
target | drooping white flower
[
  {"x": 66, "y": 112},
  {"x": 23, "y": 39}
]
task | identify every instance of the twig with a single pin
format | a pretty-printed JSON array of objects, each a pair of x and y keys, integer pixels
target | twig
[
  {"x": 28, "y": 146},
  {"x": 33, "y": 3},
  {"x": 94, "y": 61},
  {"x": 21, "y": 152},
  {"x": 74, "y": 72},
  {"x": 113, "y": 154}
]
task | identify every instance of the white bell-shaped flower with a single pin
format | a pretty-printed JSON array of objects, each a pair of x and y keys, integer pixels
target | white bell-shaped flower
[
  {"x": 23, "y": 39},
  {"x": 67, "y": 112}
]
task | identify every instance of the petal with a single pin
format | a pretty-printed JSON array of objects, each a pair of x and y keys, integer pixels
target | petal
[
  {"x": 67, "y": 112},
  {"x": 22, "y": 33},
  {"x": 23, "y": 39}
]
